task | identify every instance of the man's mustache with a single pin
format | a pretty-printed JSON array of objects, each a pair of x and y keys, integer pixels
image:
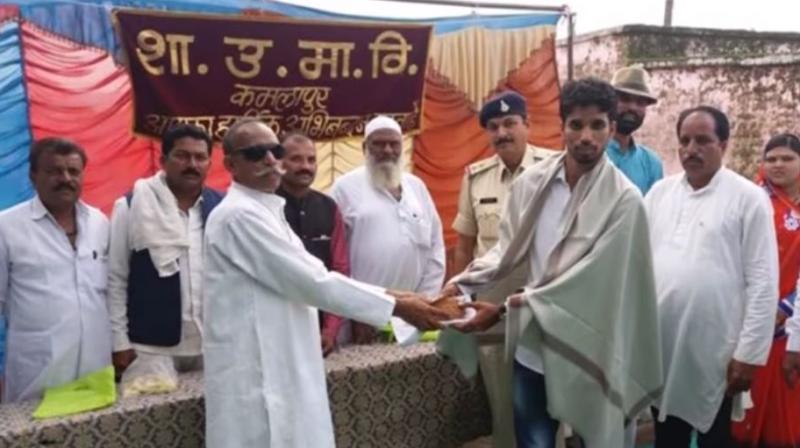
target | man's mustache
[
  {"x": 65, "y": 186},
  {"x": 631, "y": 116},
  {"x": 306, "y": 172},
  {"x": 190, "y": 171},
  {"x": 693, "y": 159},
  {"x": 501, "y": 141}
]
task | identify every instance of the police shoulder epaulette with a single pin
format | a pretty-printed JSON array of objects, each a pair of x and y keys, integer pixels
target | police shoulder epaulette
[{"x": 481, "y": 166}]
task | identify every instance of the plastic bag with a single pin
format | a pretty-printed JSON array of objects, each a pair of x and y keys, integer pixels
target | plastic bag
[{"x": 149, "y": 374}]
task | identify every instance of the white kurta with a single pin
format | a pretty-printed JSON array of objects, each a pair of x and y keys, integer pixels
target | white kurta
[
  {"x": 54, "y": 298},
  {"x": 716, "y": 267},
  {"x": 264, "y": 375},
  {"x": 394, "y": 244}
]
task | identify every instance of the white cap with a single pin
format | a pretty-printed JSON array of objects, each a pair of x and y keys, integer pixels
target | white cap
[{"x": 381, "y": 122}]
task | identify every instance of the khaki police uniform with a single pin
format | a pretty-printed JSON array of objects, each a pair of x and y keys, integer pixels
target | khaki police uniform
[
  {"x": 483, "y": 194},
  {"x": 481, "y": 201}
]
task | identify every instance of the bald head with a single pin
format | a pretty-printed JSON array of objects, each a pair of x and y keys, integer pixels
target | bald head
[{"x": 248, "y": 132}]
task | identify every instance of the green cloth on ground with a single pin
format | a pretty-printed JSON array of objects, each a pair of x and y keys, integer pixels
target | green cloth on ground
[{"x": 93, "y": 391}]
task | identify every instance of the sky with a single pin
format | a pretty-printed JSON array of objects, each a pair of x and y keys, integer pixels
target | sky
[{"x": 592, "y": 15}]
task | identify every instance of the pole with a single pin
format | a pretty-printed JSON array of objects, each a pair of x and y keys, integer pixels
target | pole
[
  {"x": 570, "y": 37},
  {"x": 668, "y": 7}
]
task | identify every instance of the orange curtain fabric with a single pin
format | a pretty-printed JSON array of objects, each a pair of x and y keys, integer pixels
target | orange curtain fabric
[{"x": 453, "y": 139}]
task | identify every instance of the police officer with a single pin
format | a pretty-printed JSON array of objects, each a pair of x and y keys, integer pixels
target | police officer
[
  {"x": 487, "y": 182},
  {"x": 483, "y": 193}
]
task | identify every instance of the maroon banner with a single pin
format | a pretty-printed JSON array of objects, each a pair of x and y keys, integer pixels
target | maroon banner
[{"x": 325, "y": 79}]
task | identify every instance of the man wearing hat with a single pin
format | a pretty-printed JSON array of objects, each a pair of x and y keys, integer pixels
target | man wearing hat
[
  {"x": 483, "y": 191},
  {"x": 639, "y": 163},
  {"x": 394, "y": 234}
]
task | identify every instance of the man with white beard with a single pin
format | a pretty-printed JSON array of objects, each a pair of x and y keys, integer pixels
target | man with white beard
[{"x": 394, "y": 233}]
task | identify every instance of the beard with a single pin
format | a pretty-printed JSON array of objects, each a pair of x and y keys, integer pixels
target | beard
[
  {"x": 628, "y": 122},
  {"x": 385, "y": 174}
]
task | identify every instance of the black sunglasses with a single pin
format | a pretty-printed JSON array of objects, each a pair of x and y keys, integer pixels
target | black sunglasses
[{"x": 258, "y": 152}]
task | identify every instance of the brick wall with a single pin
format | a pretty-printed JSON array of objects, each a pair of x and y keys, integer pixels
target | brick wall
[{"x": 754, "y": 77}]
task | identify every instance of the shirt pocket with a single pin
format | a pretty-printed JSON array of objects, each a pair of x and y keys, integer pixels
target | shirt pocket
[
  {"x": 488, "y": 218},
  {"x": 94, "y": 268},
  {"x": 421, "y": 231}
]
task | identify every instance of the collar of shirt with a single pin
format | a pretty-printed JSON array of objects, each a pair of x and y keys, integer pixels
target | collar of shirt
[
  {"x": 561, "y": 175},
  {"x": 39, "y": 211},
  {"x": 527, "y": 160},
  {"x": 615, "y": 147},
  {"x": 708, "y": 189},
  {"x": 269, "y": 200},
  {"x": 291, "y": 200}
]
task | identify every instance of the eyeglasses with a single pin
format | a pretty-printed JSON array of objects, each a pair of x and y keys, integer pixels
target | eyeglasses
[{"x": 258, "y": 152}]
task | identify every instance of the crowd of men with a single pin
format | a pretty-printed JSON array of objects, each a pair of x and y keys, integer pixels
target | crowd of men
[{"x": 612, "y": 291}]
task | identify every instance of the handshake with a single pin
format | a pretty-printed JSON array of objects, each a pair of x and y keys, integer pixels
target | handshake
[{"x": 431, "y": 314}]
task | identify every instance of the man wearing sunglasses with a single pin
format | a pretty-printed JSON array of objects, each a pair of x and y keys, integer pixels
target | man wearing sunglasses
[
  {"x": 155, "y": 284},
  {"x": 264, "y": 374}
]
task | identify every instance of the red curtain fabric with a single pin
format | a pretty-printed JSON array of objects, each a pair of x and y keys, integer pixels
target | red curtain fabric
[
  {"x": 8, "y": 11},
  {"x": 453, "y": 138},
  {"x": 79, "y": 93}
]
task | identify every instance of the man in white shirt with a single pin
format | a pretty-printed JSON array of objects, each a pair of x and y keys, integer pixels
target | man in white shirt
[
  {"x": 155, "y": 285},
  {"x": 583, "y": 334},
  {"x": 394, "y": 233},
  {"x": 716, "y": 265},
  {"x": 53, "y": 256},
  {"x": 264, "y": 374}
]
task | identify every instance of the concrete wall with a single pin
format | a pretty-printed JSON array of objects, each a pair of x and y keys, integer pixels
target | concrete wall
[{"x": 754, "y": 77}]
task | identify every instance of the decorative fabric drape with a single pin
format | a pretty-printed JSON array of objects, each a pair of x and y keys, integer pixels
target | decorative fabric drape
[{"x": 60, "y": 76}]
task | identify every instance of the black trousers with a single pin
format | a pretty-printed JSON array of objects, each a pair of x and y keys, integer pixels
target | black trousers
[{"x": 676, "y": 433}]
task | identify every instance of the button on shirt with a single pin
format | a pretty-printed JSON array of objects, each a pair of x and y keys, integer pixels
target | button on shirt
[
  {"x": 548, "y": 228},
  {"x": 639, "y": 164},
  {"x": 53, "y": 297},
  {"x": 191, "y": 280}
]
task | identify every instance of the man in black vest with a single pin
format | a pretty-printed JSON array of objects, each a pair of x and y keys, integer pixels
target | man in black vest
[
  {"x": 315, "y": 218},
  {"x": 155, "y": 281}
]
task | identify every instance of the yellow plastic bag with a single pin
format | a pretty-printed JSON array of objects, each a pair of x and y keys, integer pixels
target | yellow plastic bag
[{"x": 90, "y": 392}]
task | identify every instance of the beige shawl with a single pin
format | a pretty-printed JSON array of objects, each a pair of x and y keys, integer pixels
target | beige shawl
[{"x": 593, "y": 312}]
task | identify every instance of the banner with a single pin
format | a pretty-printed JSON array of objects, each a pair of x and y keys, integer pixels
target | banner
[{"x": 325, "y": 79}]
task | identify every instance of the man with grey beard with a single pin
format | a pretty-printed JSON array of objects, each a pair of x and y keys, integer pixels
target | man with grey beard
[{"x": 393, "y": 231}]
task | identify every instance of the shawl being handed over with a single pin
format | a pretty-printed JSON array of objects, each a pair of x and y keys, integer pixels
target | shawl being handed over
[{"x": 592, "y": 314}]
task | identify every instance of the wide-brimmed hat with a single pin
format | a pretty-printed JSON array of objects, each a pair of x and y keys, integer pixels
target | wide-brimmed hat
[{"x": 633, "y": 80}]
